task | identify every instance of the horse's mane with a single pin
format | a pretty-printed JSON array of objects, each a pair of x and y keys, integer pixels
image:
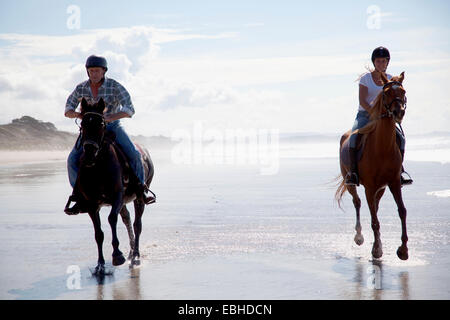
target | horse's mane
[{"x": 374, "y": 114}]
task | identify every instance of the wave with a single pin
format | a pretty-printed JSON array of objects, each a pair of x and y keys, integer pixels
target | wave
[
  {"x": 423, "y": 149},
  {"x": 440, "y": 193}
]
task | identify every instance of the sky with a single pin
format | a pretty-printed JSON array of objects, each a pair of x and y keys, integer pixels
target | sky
[{"x": 290, "y": 66}]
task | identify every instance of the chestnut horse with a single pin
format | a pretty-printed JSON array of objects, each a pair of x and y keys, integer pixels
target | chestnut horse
[
  {"x": 104, "y": 179},
  {"x": 381, "y": 162}
]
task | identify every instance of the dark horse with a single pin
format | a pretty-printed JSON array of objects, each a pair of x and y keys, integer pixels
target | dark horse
[
  {"x": 105, "y": 179},
  {"x": 381, "y": 162}
]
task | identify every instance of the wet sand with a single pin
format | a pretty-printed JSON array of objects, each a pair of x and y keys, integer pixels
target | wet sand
[
  {"x": 227, "y": 232},
  {"x": 22, "y": 157}
]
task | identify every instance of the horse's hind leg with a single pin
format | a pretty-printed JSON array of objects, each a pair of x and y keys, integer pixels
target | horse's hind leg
[
  {"x": 99, "y": 236},
  {"x": 125, "y": 214},
  {"x": 396, "y": 190},
  {"x": 359, "y": 239},
  {"x": 139, "y": 207}
]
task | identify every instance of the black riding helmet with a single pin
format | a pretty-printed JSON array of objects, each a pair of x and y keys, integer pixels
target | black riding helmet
[
  {"x": 96, "y": 61},
  {"x": 380, "y": 52}
]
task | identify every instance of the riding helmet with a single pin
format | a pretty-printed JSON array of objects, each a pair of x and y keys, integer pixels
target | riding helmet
[
  {"x": 96, "y": 61},
  {"x": 380, "y": 52}
]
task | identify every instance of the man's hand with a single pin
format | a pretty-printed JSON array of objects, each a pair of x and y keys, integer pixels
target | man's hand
[
  {"x": 72, "y": 114},
  {"x": 115, "y": 116}
]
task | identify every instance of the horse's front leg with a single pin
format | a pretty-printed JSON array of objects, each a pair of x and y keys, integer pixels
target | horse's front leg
[
  {"x": 396, "y": 191},
  {"x": 99, "y": 236},
  {"x": 117, "y": 256},
  {"x": 372, "y": 201}
]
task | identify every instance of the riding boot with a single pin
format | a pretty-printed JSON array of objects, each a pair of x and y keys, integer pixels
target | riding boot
[
  {"x": 352, "y": 178},
  {"x": 405, "y": 178},
  {"x": 141, "y": 192}
]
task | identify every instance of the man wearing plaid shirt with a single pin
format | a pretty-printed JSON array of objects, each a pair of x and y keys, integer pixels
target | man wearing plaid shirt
[{"x": 118, "y": 105}]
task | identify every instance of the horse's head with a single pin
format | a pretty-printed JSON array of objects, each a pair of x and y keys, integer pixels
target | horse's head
[
  {"x": 393, "y": 96},
  {"x": 93, "y": 127}
]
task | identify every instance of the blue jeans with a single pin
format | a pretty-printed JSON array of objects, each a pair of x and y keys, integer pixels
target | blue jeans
[
  {"x": 363, "y": 118},
  {"x": 125, "y": 143}
]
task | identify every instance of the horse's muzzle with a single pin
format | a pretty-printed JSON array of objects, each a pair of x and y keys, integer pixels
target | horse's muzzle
[
  {"x": 91, "y": 149},
  {"x": 398, "y": 115}
]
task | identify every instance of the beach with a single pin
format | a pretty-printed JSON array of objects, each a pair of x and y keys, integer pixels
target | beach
[{"x": 227, "y": 232}]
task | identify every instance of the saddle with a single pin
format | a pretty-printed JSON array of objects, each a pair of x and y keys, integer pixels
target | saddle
[
  {"x": 345, "y": 153},
  {"x": 128, "y": 172},
  {"x": 110, "y": 138}
]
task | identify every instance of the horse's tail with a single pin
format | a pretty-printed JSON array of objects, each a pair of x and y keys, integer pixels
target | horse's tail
[
  {"x": 340, "y": 181},
  {"x": 340, "y": 190}
]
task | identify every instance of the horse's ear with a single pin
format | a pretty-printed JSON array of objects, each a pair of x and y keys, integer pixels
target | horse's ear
[
  {"x": 84, "y": 104},
  {"x": 101, "y": 105},
  {"x": 384, "y": 78},
  {"x": 401, "y": 77}
]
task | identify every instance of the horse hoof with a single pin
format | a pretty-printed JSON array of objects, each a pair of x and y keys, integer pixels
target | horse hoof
[
  {"x": 118, "y": 260},
  {"x": 99, "y": 270},
  {"x": 377, "y": 253},
  {"x": 136, "y": 262},
  {"x": 359, "y": 239},
  {"x": 402, "y": 253}
]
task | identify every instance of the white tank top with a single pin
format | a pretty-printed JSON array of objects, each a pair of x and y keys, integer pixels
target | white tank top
[{"x": 373, "y": 89}]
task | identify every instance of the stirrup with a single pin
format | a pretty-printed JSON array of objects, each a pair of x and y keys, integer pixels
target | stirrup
[
  {"x": 149, "y": 199},
  {"x": 141, "y": 192},
  {"x": 407, "y": 181},
  {"x": 351, "y": 179}
]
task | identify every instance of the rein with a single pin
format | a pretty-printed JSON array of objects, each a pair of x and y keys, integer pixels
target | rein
[
  {"x": 92, "y": 113},
  {"x": 95, "y": 113}
]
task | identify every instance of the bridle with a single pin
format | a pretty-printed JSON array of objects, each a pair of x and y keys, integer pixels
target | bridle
[
  {"x": 390, "y": 113},
  {"x": 96, "y": 144}
]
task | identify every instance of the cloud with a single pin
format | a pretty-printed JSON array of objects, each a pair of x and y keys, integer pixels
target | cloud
[
  {"x": 296, "y": 92},
  {"x": 5, "y": 84}
]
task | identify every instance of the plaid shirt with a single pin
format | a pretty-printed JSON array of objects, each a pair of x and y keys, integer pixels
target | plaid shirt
[{"x": 116, "y": 97}]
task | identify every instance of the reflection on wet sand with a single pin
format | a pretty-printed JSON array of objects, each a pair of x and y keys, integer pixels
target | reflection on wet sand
[
  {"x": 404, "y": 284},
  {"x": 129, "y": 289},
  {"x": 375, "y": 281}
]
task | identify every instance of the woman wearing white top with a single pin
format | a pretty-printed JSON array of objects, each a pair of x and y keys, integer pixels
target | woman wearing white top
[{"x": 370, "y": 85}]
